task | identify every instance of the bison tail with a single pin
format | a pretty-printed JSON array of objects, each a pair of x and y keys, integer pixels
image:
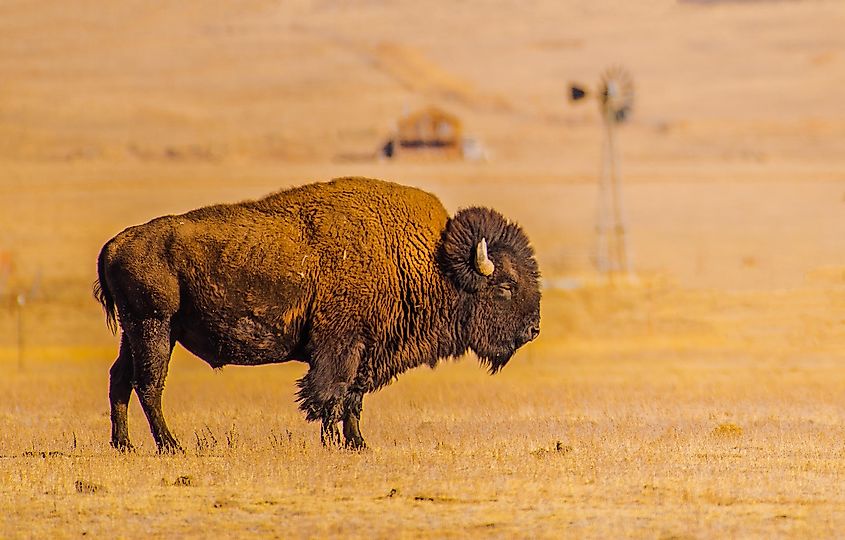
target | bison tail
[{"x": 102, "y": 293}]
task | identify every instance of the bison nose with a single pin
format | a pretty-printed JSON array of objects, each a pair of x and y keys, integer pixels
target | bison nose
[{"x": 532, "y": 332}]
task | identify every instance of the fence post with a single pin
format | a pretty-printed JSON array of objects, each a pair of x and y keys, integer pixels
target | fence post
[{"x": 19, "y": 304}]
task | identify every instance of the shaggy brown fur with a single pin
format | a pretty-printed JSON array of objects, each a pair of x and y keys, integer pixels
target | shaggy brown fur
[{"x": 361, "y": 279}]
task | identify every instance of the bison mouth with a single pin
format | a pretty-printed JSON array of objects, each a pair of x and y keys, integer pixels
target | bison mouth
[{"x": 498, "y": 361}]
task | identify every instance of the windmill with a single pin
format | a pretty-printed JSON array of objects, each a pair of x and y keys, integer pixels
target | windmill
[{"x": 615, "y": 96}]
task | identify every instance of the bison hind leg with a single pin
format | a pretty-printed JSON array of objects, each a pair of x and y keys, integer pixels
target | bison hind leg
[
  {"x": 120, "y": 390},
  {"x": 152, "y": 346}
]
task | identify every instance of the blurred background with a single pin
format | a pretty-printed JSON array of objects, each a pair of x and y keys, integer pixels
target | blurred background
[{"x": 732, "y": 161}]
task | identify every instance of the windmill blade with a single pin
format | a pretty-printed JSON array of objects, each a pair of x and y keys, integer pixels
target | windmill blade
[
  {"x": 576, "y": 92},
  {"x": 617, "y": 93}
]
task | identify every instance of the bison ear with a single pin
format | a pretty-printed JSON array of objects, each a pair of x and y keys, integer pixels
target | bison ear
[{"x": 464, "y": 251}]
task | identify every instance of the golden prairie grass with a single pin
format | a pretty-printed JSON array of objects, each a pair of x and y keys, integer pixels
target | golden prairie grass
[
  {"x": 650, "y": 411},
  {"x": 612, "y": 424},
  {"x": 636, "y": 422}
]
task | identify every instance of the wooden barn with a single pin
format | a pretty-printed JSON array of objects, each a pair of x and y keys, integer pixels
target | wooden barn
[{"x": 428, "y": 132}]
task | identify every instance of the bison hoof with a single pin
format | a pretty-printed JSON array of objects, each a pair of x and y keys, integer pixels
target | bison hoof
[
  {"x": 170, "y": 450},
  {"x": 356, "y": 444},
  {"x": 170, "y": 447},
  {"x": 124, "y": 447},
  {"x": 330, "y": 436}
]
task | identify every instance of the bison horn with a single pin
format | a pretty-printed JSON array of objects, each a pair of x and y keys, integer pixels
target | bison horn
[{"x": 482, "y": 262}]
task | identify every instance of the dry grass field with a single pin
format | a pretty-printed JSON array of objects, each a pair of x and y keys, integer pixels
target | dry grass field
[
  {"x": 644, "y": 412},
  {"x": 703, "y": 400}
]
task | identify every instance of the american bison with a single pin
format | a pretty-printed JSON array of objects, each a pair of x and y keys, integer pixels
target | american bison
[{"x": 359, "y": 278}]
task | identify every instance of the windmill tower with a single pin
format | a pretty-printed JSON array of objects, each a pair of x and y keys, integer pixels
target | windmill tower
[{"x": 615, "y": 96}]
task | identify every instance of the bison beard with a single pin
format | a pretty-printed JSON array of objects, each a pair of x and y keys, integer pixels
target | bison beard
[{"x": 359, "y": 278}]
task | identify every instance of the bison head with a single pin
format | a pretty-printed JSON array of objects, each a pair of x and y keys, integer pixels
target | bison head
[{"x": 491, "y": 261}]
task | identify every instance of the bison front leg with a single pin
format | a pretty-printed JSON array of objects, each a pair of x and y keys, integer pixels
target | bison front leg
[
  {"x": 351, "y": 418},
  {"x": 323, "y": 390},
  {"x": 329, "y": 434},
  {"x": 320, "y": 407}
]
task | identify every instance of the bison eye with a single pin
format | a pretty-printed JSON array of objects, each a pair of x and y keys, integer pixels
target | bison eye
[{"x": 503, "y": 291}]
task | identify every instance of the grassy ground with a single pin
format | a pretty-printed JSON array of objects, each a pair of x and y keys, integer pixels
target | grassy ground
[
  {"x": 704, "y": 402},
  {"x": 666, "y": 408},
  {"x": 660, "y": 413}
]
